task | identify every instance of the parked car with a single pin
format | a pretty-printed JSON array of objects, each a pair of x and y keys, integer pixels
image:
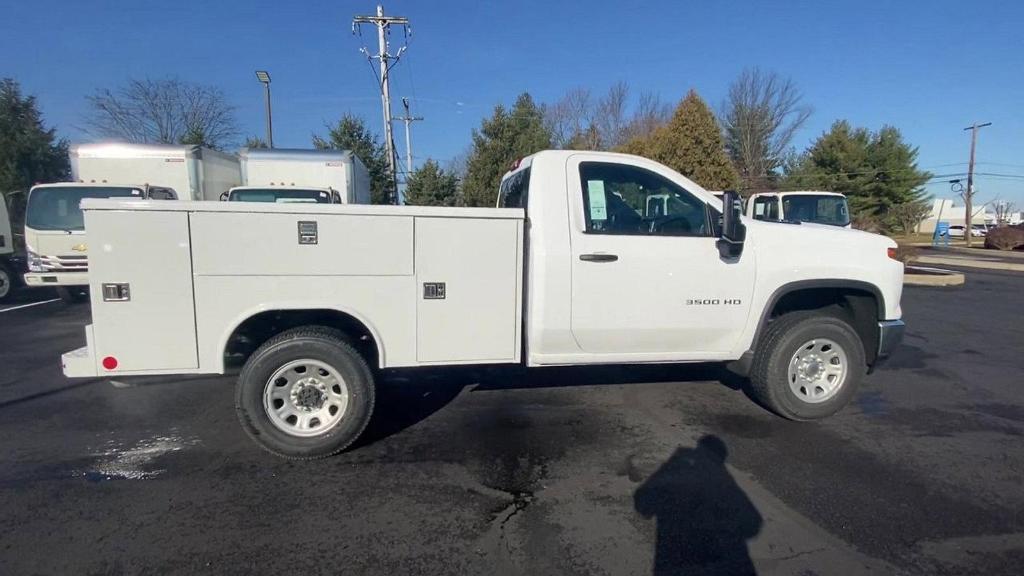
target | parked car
[{"x": 957, "y": 231}]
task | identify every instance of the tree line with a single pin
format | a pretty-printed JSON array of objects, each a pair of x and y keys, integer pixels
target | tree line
[{"x": 745, "y": 145}]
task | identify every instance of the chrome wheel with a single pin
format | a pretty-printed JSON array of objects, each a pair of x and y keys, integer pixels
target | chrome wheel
[
  {"x": 5, "y": 282},
  {"x": 305, "y": 398},
  {"x": 817, "y": 370}
]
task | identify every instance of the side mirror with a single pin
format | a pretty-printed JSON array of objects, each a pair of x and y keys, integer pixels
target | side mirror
[{"x": 734, "y": 232}]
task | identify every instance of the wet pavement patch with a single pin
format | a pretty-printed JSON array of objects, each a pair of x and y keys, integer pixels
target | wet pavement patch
[{"x": 136, "y": 462}]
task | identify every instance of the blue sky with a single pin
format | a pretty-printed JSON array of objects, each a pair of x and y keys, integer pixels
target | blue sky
[{"x": 928, "y": 68}]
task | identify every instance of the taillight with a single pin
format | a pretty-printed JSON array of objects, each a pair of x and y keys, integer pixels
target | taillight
[{"x": 891, "y": 252}]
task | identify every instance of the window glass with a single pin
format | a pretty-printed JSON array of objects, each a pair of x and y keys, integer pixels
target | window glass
[
  {"x": 160, "y": 193},
  {"x": 821, "y": 209},
  {"x": 281, "y": 196},
  {"x": 514, "y": 189},
  {"x": 766, "y": 208},
  {"x": 57, "y": 208},
  {"x": 622, "y": 199}
]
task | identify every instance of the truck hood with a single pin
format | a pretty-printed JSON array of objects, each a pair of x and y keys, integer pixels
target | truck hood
[
  {"x": 789, "y": 253},
  {"x": 778, "y": 234}
]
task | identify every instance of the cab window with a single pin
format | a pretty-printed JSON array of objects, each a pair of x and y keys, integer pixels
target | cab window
[
  {"x": 766, "y": 208},
  {"x": 514, "y": 189},
  {"x": 629, "y": 200}
]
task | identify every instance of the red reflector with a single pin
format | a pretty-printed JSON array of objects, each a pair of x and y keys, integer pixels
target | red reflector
[
  {"x": 891, "y": 252},
  {"x": 110, "y": 362}
]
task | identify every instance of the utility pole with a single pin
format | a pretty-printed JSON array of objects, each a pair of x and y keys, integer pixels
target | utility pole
[
  {"x": 408, "y": 119},
  {"x": 968, "y": 195},
  {"x": 383, "y": 24}
]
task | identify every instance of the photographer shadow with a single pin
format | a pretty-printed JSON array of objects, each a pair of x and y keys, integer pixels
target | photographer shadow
[{"x": 704, "y": 519}]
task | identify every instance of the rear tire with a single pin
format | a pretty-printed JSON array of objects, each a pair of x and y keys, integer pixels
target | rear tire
[
  {"x": 808, "y": 365},
  {"x": 305, "y": 394}
]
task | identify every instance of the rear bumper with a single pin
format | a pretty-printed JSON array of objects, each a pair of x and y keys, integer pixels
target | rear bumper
[
  {"x": 890, "y": 334},
  {"x": 81, "y": 363},
  {"x": 38, "y": 279}
]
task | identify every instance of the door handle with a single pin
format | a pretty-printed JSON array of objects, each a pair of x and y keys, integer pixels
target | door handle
[{"x": 598, "y": 257}]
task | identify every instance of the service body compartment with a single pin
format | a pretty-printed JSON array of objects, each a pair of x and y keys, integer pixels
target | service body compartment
[
  {"x": 468, "y": 274},
  {"x": 140, "y": 281}
]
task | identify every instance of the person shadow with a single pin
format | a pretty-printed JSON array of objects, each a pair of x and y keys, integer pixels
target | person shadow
[{"x": 703, "y": 517}]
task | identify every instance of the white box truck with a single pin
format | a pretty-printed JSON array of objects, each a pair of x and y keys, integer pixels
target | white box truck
[
  {"x": 812, "y": 206},
  {"x": 10, "y": 264},
  {"x": 291, "y": 175},
  {"x": 54, "y": 229},
  {"x": 567, "y": 271}
]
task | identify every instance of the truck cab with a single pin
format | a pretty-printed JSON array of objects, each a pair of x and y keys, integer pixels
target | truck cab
[
  {"x": 588, "y": 258},
  {"x": 817, "y": 207}
]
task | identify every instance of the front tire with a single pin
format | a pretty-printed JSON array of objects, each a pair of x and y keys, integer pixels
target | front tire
[
  {"x": 808, "y": 365},
  {"x": 305, "y": 394},
  {"x": 6, "y": 283}
]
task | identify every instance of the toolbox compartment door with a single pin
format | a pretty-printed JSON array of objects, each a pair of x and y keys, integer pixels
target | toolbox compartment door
[
  {"x": 468, "y": 290},
  {"x": 143, "y": 261}
]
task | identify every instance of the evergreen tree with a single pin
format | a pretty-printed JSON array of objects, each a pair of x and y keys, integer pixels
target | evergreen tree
[
  {"x": 502, "y": 139},
  {"x": 431, "y": 185},
  {"x": 876, "y": 171},
  {"x": 29, "y": 152},
  {"x": 350, "y": 133},
  {"x": 691, "y": 144}
]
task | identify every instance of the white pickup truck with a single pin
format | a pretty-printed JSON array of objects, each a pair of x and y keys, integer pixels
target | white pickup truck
[{"x": 567, "y": 270}]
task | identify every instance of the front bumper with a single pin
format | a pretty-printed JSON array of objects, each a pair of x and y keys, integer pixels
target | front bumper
[
  {"x": 39, "y": 279},
  {"x": 890, "y": 334}
]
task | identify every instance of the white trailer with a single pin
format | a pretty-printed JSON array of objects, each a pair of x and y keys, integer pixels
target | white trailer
[
  {"x": 572, "y": 268},
  {"x": 292, "y": 175},
  {"x": 812, "y": 206},
  {"x": 54, "y": 228}
]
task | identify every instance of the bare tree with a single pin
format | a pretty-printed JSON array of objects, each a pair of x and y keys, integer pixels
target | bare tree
[
  {"x": 168, "y": 111},
  {"x": 760, "y": 117},
  {"x": 1003, "y": 211},
  {"x": 569, "y": 117},
  {"x": 909, "y": 215},
  {"x": 610, "y": 115},
  {"x": 649, "y": 115},
  {"x": 579, "y": 121}
]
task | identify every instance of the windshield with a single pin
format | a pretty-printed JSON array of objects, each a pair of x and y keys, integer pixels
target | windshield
[
  {"x": 57, "y": 208},
  {"x": 280, "y": 195},
  {"x": 820, "y": 209}
]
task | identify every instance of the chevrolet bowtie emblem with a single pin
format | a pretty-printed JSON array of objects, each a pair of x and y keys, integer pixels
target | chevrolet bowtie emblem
[{"x": 79, "y": 248}]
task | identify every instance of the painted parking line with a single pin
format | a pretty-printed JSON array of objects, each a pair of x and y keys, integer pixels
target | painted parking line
[{"x": 13, "y": 308}]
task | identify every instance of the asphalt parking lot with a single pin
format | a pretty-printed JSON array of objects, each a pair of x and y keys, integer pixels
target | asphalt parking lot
[{"x": 619, "y": 470}]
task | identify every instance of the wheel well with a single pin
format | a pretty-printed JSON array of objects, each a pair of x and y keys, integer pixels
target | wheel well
[
  {"x": 257, "y": 329},
  {"x": 861, "y": 307}
]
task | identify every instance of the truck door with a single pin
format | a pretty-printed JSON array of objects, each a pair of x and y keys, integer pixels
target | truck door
[{"x": 649, "y": 282}]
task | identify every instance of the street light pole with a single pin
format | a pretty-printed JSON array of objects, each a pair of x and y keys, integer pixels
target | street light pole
[{"x": 264, "y": 78}]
